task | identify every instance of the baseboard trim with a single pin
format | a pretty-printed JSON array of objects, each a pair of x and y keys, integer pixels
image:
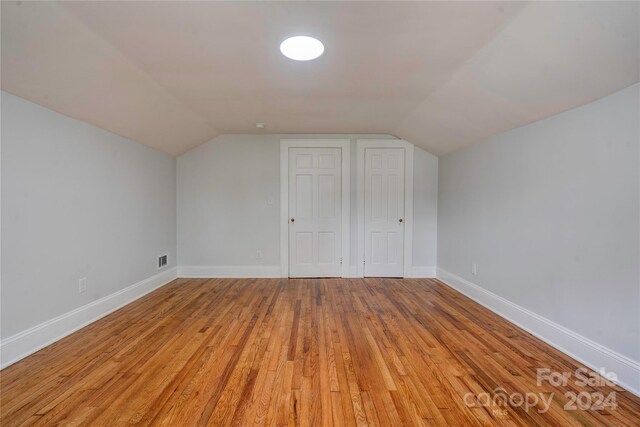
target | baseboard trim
[
  {"x": 584, "y": 350},
  {"x": 229, "y": 271},
  {"x": 428, "y": 272},
  {"x": 22, "y": 344},
  {"x": 239, "y": 271}
]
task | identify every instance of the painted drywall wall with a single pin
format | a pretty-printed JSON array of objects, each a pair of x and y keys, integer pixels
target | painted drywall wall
[
  {"x": 229, "y": 202},
  {"x": 550, "y": 214},
  {"x": 77, "y": 201},
  {"x": 425, "y": 208}
]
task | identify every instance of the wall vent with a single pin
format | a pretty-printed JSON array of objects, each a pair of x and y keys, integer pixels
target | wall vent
[{"x": 163, "y": 260}]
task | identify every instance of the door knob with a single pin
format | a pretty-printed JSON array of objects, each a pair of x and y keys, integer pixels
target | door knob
[
  {"x": 400, "y": 220},
  {"x": 293, "y": 220}
]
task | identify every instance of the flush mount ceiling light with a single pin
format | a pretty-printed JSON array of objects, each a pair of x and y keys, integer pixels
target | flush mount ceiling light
[{"x": 301, "y": 48}]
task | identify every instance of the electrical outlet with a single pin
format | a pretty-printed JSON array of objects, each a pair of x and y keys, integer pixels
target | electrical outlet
[
  {"x": 258, "y": 254},
  {"x": 474, "y": 269},
  {"x": 82, "y": 285}
]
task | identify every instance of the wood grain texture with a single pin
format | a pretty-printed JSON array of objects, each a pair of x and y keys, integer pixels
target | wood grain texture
[{"x": 308, "y": 352}]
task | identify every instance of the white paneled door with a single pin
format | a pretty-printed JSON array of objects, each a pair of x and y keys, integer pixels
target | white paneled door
[
  {"x": 384, "y": 212},
  {"x": 315, "y": 212}
]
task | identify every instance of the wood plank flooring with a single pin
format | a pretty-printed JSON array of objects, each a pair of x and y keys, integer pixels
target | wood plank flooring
[{"x": 312, "y": 352}]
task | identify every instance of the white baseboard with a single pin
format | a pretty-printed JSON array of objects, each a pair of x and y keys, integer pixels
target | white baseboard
[
  {"x": 229, "y": 271},
  {"x": 584, "y": 350},
  {"x": 238, "y": 271},
  {"x": 24, "y": 343},
  {"x": 423, "y": 272}
]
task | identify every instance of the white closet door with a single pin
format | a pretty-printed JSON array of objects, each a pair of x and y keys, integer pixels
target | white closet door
[
  {"x": 315, "y": 212},
  {"x": 384, "y": 212}
]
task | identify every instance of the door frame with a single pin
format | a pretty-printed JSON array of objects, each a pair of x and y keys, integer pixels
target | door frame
[
  {"x": 361, "y": 146},
  {"x": 345, "y": 146}
]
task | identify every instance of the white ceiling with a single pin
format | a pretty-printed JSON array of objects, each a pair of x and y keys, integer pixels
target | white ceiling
[{"x": 442, "y": 75}]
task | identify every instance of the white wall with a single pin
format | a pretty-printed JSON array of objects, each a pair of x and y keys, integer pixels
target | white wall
[
  {"x": 425, "y": 208},
  {"x": 77, "y": 201},
  {"x": 223, "y": 213},
  {"x": 550, "y": 214}
]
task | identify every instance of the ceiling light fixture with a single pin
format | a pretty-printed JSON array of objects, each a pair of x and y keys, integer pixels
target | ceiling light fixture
[{"x": 302, "y": 48}]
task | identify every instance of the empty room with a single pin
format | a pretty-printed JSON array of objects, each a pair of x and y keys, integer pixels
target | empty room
[{"x": 320, "y": 213}]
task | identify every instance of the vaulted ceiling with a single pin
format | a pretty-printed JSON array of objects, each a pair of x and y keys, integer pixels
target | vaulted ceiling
[{"x": 441, "y": 75}]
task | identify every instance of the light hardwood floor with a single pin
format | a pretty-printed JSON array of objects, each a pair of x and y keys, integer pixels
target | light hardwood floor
[{"x": 309, "y": 352}]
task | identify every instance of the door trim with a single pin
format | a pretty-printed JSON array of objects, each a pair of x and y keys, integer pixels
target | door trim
[
  {"x": 362, "y": 145},
  {"x": 345, "y": 146}
]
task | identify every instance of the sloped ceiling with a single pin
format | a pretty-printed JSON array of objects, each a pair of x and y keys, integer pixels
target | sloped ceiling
[{"x": 442, "y": 75}]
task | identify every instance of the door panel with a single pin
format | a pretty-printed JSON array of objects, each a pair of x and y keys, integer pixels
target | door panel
[
  {"x": 304, "y": 248},
  {"x": 384, "y": 212},
  {"x": 326, "y": 194},
  {"x": 326, "y": 247},
  {"x": 304, "y": 192},
  {"x": 315, "y": 205}
]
